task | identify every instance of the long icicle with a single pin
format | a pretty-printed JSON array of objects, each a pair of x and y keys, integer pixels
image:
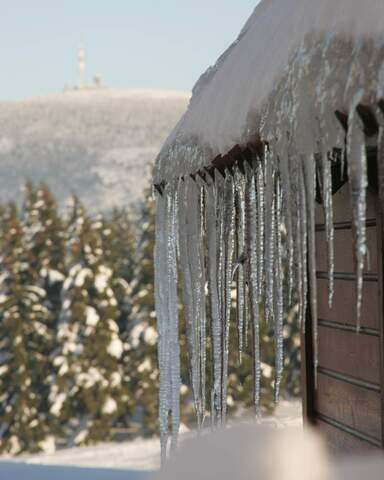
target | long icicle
[
  {"x": 309, "y": 167},
  {"x": 196, "y": 264},
  {"x": 279, "y": 352},
  {"x": 270, "y": 233},
  {"x": 229, "y": 243},
  {"x": 240, "y": 252},
  {"x": 220, "y": 221},
  {"x": 328, "y": 215},
  {"x": 203, "y": 312},
  {"x": 358, "y": 183},
  {"x": 260, "y": 192},
  {"x": 287, "y": 197},
  {"x": 193, "y": 289},
  {"x": 302, "y": 247},
  {"x": 174, "y": 345},
  {"x": 212, "y": 225},
  {"x": 161, "y": 255},
  {"x": 167, "y": 317},
  {"x": 251, "y": 226}
]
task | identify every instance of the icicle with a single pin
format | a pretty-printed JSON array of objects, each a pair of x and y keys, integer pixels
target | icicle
[
  {"x": 270, "y": 232},
  {"x": 213, "y": 226},
  {"x": 221, "y": 269},
  {"x": 167, "y": 317},
  {"x": 302, "y": 248},
  {"x": 309, "y": 167},
  {"x": 251, "y": 227},
  {"x": 285, "y": 176},
  {"x": 201, "y": 307},
  {"x": 162, "y": 321},
  {"x": 279, "y": 352},
  {"x": 173, "y": 316},
  {"x": 358, "y": 183},
  {"x": 328, "y": 215},
  {"x": 240, "y": 252},
  {"x": 260, "y": 191},
  {"x": 229, "y": 244},
  {"x": 192, "y": 265}
]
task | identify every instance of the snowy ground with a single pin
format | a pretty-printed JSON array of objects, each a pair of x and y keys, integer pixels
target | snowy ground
[{"x": 130, "y": 460}]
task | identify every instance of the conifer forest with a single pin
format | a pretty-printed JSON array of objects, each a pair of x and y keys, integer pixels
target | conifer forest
[{"x": 78, "y": 339}]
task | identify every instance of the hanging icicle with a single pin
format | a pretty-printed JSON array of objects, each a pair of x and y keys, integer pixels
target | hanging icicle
[
  {"x": 260, "y": 192},
  {"x": 167, "y": 314},
  {"x": 192, "y": 262},
  {"x": 229, "y": 243},
  {"x": 253, "y": 277},
  {"x": 302, "y": 246},
  {"x": 241, "y": 258},
  {"x": 270, "y": 234},
  {"x": 309, "y": 176},
  {"x": 358, "y": 183},
  {"x": 213, "y": 225},
  {"x": 326, "y": 178},
  {"x": 279, "y": 308}
]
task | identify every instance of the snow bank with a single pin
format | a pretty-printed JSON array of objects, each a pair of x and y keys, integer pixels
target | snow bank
[
  {"x": 20, "y": 471},
  {"x": 110, "y": 459},
  {"x": 137, "y": 455}
]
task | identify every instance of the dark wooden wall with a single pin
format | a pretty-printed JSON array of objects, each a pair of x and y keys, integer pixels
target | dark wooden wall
[{"x": 347, "y": 403}]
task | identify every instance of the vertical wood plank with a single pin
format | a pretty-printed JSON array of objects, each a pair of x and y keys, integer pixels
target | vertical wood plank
[
  {"x": 307, "y": 372},
  {"x": 380, "y": 250}
]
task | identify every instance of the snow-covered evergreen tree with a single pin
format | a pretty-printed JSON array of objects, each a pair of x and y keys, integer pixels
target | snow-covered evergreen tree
[
  {"x": 86, "y": 395},
  {"x": 142, "y": 333},
  {"x": 25, "y": 344},
  {"x": 120, "y": 242},
  {"x": 44, "y": 230},
  {"x": 45, "y": 242},
  {"x": 119, "y": 246}
]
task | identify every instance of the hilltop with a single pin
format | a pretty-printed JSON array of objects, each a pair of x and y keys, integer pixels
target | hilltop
[{"x": 99, "y": 144}]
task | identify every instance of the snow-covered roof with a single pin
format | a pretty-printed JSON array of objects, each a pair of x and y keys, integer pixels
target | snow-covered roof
[{"x": 294, "y": 61}]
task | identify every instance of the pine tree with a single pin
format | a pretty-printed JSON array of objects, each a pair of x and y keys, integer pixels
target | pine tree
[
  {"x": 44, "y": 229},
  {"x": 119, "y": 246},
  {"x": 86, "y": 396},
  {"x": 141, "y": 360},
  {"x": 26, "y": 340},
  {"x": 45, "y": 241},
  {"x": 120, "y": 242}
]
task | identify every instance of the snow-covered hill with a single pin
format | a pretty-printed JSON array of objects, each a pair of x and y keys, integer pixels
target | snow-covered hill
[{"x": 99, "y": 144}]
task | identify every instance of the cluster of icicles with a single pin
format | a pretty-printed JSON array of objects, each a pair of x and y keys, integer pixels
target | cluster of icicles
[{"x": 252, "y": 228}]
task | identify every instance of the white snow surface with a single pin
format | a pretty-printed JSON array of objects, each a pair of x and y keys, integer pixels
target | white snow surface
[
  {"x": 241, "y": 81},
  {"x": 112, "y": 460}
]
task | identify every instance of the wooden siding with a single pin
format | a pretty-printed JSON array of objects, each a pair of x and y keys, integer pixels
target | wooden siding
[{"x": 346, "y": 404}]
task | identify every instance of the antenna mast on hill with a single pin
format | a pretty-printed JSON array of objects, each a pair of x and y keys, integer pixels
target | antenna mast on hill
[{"x": 81, "y": 66}]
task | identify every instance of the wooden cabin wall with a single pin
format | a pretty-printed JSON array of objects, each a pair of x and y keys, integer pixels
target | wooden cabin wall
[{"x": 346, "y": 405}]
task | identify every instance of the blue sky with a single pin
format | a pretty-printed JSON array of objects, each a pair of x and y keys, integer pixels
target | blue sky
[{"x": 132, "y": 43}]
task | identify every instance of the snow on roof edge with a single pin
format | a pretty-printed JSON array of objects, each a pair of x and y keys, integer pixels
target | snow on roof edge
[{"x": 272, "y": 45}]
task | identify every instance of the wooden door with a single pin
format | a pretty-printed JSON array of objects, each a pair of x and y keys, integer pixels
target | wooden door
[{"x": 347, "y": 403}]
